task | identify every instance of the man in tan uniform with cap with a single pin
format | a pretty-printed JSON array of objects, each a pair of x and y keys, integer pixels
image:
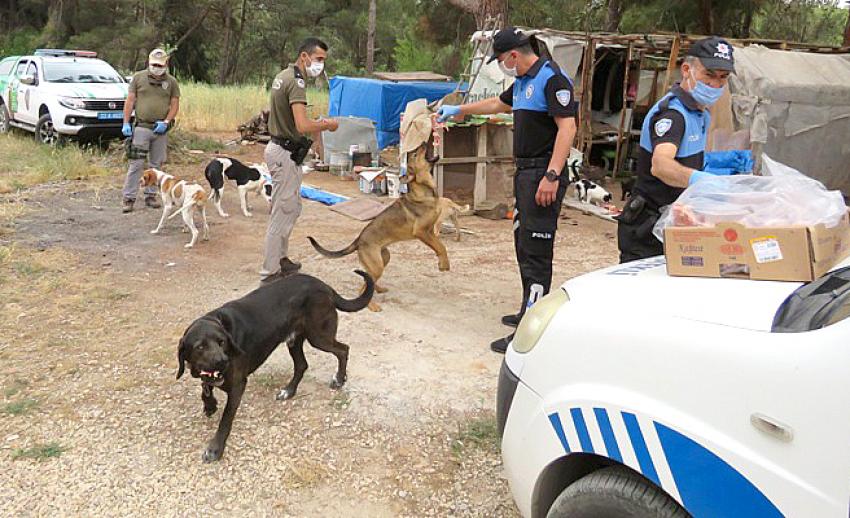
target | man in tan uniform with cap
[
  {"x": 155, "y": 95},
  {"x": 288, "y": 123}
]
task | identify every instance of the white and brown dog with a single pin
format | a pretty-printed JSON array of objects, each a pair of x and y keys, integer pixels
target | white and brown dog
[
  {"x": 248, "y": 178},
  {"x": 191, "y": 197}
]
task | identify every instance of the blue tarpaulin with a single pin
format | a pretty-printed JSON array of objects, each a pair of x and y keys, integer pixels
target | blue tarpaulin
[{"x": 381, "y": 101}]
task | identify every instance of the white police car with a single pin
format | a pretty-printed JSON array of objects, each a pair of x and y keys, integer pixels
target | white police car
[
  {"x": 714, "y": 397},
  {"x": 62, "y": 93}
]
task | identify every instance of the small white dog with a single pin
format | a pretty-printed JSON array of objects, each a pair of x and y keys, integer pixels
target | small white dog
[{"x": 191, "y": 197}]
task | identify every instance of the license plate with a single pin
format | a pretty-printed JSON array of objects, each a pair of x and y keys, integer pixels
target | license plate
[{"x": 110, "y": 115}]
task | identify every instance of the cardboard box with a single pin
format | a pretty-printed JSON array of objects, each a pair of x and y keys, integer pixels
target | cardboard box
[
  {"x": 779, "y": 254},
  {"x": 373, "y": 182}
]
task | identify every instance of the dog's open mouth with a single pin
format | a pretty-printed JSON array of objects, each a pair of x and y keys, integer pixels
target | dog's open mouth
[{"x": 212, "y": 377}]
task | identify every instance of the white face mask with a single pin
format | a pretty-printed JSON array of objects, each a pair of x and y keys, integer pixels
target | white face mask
[
  {"x": 510, "y": 72},
  {"x": 157, "y": 71},
  {"x": 315, "y": 69}
]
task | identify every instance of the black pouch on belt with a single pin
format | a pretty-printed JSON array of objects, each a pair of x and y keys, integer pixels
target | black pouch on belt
[
  {"x": 632, "y": 209},
  {"x": 302, "y": 147}
]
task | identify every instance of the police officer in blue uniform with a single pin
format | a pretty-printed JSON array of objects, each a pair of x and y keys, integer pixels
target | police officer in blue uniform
[
  {"x": 672, "y": 145},
  {"x": 544, "y": 110}
]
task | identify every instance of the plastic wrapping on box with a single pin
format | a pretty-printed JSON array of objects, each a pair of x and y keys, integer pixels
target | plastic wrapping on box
[
  {"x": 781, "y": 197},
  {"x": 352, "y": 130}
]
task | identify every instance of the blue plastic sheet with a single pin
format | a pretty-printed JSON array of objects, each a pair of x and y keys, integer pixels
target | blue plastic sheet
[
  {"x": 381, "y": 101},
  {"x": 311, "y": 193}
]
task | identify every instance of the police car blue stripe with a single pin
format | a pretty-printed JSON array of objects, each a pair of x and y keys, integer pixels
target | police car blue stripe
[
  {"x": 555, "y": 419},
  {"x": 639, "y": 445},
  {"x": 608, "y": 434},
  {"x": 581, "y": 430}
]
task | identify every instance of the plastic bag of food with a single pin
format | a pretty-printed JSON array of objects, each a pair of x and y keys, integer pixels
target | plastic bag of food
[{"x": 781, "y": 197}]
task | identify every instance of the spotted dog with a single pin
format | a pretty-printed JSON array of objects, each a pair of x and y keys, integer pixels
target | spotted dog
[
  {"x": 189, "y": 196},
  {"x": 591, "y": 192},
  {"x": 248, "y": 178}
]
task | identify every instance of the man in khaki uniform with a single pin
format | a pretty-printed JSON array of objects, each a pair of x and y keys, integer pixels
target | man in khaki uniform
[
  {"x": 155, "y": 95},
  {"x": 288, "y": 123}
]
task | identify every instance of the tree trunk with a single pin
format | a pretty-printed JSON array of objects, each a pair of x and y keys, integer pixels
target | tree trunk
[
  {"x": 237, "y": 43},
  {"x": 748, "y": 19},
  {"x": 481, "y": 9},
  {"x": 615, "y": 13},
  {"x": 847, "y": 31},
  {"x": 707, "y": 18},
  {"x": 59, "y": 22},
  {"x": 370, "y": 37},
  {"x": 227, "y": 14}
]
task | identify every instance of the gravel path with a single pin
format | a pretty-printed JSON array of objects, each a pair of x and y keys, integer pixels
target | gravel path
[{"x": 93, "y": 307}]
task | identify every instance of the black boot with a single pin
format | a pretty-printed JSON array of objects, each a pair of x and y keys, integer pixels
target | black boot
[
  {"x": 501, "y": 345},
  {"x": 511, "y": 320}
]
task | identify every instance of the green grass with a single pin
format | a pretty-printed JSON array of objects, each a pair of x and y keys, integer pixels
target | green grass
[
  {"x": 39, "y": 451},
  {"x": 19, "y": 407},
  {"x": 26, "y": 162},
  {"x": 206, "y": 108},
  {"x": 478, "y": 433}
]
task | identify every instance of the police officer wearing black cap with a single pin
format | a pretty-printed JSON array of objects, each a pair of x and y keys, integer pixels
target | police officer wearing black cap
[
  {"x": 672, "y": 145},
  {"x": 544, "y": 111}
]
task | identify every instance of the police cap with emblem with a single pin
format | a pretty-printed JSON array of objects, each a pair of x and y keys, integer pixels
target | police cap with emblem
[
  {"x": 714, "y": 53},
  {"x": 507, "y": 39}
]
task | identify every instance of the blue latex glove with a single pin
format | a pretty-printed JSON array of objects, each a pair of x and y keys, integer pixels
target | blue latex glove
[
  {"x": 697, "y": 176},
  {"x": 446, "y": 111},
  {"x": 127, "y": 130},
  {"x": 160, "y": 127},
  {"x": 738, "y": 159}
]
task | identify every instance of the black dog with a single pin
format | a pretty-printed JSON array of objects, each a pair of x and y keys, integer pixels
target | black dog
[
  {"x": 248, "y": 178},
  {"x": 628, "y": 184},
  {"x": 227, "y": 344}
]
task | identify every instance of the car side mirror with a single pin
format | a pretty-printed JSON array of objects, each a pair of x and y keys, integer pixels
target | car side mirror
[
  {"x": 28, "y": 80},
  {"x": 128, "y": 79}
]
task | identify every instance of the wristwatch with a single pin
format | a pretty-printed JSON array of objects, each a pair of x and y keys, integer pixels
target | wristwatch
[{"x": 552, "y": 176}]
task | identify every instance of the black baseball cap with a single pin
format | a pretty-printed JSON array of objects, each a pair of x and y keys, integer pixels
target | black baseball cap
[
  {"x": 507, "y": 39},
  {"x": 715, "y": 53}
]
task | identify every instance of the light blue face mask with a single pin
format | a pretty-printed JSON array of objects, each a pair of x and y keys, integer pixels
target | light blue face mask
[{"x": 704, "y": 94}]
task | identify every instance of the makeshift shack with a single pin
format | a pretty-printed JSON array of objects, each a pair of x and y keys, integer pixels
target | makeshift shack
[
  {"x": 796, "y": 108},
  {"x": 630, "y": 72},
  {"x": 382, "y": 101}
]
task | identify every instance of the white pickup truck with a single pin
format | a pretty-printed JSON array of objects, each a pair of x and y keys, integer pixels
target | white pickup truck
[{"x": 62, "y": 94}]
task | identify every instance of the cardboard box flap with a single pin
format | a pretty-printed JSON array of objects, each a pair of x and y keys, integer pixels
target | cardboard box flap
[{"x": 829, "y": 243}]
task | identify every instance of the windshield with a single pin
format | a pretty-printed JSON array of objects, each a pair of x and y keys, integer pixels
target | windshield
[{"x": 83, "y": 71}]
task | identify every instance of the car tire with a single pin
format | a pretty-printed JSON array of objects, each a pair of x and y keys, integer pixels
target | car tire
[
  {"x": 615, "y": 492},
  {"x": 5, "y": 119},
  {"x": 46, "y": 133}
]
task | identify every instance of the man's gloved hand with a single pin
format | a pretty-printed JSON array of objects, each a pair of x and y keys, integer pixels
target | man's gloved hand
[
  {"x": 739, "y": 160},
  {"x": 697, "y": 176},
  {"x": 160, "y": 127},
  {"x": 446, "y": 111},
  {"x": 127, "y": 130}
]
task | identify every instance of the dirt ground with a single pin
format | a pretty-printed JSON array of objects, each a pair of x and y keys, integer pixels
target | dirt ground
[{"x": 93, "y": 422}]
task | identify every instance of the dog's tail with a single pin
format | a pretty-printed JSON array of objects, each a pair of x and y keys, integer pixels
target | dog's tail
[
  {"x": 331, "y": 253},
  {"x": 197, "y": 200},
  {"x": 360, "y": 302}
]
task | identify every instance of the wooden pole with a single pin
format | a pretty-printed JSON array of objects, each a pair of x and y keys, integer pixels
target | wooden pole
[
  {"x": 370, "y": 38},
  {"x": 671, "y": 64}
]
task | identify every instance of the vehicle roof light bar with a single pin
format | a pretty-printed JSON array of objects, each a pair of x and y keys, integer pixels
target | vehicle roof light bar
[{"x": 65, "y": 53}]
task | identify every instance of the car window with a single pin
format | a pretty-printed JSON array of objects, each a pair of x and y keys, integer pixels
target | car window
[
  {"x": 22, "y": 66},
  {"x": 83, "y": 71},
  {"x": 815, "y": 305},
  {"x": 6, "y": 67}
]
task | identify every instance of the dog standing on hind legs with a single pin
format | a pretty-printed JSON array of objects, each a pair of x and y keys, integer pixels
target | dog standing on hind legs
[
  {"x": 190, "y": 196},
  {"x": 413, "y": 216}
]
